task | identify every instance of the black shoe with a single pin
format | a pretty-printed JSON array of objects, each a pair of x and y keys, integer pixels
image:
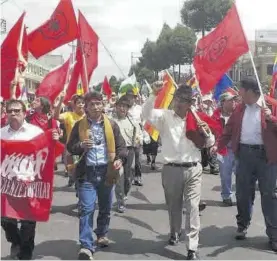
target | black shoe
[
  {"x": 228, "y": 202},
  {"x": 153, "y": 166},
  {"x": 192, "y": 255},
  {"x": 214, "y": 171},
  {"x": 138, "y": 182},
  {"x": 174, "y": 240},
  {"x": 202, "y": 206},
  {"x": 148, "y": 160},
  {"x": 273, "y": 245},
  {"x": 241, "y": 234},
  {"x": 70, "y": 182}
]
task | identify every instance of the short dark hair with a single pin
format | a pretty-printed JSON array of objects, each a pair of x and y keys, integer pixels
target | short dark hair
[
  {"x": 14, "y": 101},
  {"x": 93, "y": 95},
  {"x": 184, "y": 92},
  {"x": 250, "y": 83},
  {"x": 124, "y": 100},
  {"x": 76, "y": 98}
]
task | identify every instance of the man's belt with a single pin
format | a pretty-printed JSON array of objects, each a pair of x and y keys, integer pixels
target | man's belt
[
  {"x": 183, "y": 165},
  {"x": 253, "y": 147}
]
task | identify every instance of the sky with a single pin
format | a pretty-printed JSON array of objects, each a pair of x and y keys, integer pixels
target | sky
[{"x": 124, "y": 25}]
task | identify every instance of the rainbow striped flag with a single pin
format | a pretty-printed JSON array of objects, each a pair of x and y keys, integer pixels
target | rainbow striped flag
[
  {"x": 273, "y": 88},
  {"x": 163, "y": 100}
]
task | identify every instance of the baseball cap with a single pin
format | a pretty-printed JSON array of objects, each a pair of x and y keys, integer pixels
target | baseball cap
[{"x": 227, "y": 96}]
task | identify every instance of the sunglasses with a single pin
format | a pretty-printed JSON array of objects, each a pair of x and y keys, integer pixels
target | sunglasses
[{"x": 14, "y": 110}]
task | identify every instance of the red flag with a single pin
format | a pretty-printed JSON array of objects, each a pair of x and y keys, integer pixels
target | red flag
[
  {"x": 60, "y": 29},
  {"x": 74, "y": 77},
  {"x": 27, "y": 169},
  {"x": 216, "y": 52},
  {"x": 107, "y": 88},
  {"x": 14, "y": 55},
  {"x": 54, "y": 82},
  {"x": 89, "y": 47}
]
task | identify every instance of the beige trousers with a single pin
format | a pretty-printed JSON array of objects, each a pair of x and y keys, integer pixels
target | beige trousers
[{"x": 182, "y": 188}]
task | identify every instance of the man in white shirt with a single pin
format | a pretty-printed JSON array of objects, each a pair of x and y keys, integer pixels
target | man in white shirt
[
  {"x": 22, "y": 241},
  {"x": 182, "y": 171},
  {"x": 135, "y": 114}
]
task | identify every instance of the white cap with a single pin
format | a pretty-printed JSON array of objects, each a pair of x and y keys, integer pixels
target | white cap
[{"x": 207, "y": 97}]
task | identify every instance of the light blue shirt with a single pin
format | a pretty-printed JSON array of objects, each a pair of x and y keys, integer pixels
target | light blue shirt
[{"x": 97, "y": 155}]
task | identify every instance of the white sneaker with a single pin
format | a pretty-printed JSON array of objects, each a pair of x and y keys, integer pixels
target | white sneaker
[{"x": 85, "y": 254}]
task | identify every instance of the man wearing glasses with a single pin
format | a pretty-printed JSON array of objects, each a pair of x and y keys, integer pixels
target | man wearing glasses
[{"x": 182, "y": 171}]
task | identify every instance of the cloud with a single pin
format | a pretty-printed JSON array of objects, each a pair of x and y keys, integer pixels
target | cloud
[{"x": 124, "y": 25}]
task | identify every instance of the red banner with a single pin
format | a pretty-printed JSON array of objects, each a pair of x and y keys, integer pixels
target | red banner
[{"x": 27, "y": 171}]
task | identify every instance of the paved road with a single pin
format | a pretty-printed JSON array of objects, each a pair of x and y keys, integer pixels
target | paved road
[{"x": 142, "y": 232}]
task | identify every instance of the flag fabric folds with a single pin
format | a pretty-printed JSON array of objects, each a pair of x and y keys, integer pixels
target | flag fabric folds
[
  {"x": 27, "y": 172},
  {"x": 216, "y": 52},
  {"x": 129, "y": 83},
  {"x": 14, "y": 55},
  {"x": 59, "y": 29},
  {"x": 107, "y": 88},
  {"x": 222, "y": 86},
  {"x": 163, "y": 100},
  {"x": 53, "y": 83},
  {"x": 88, "y": 42}
]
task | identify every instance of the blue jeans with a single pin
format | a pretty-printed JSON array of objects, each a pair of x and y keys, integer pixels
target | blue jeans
[
  {"x": 88, "y": 190},
  {"x": 253, "y": 166},
  {"x": 226, "y": 169}
]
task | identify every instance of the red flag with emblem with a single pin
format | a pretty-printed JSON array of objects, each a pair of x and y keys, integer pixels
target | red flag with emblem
[
  {"x": 27, "y": 172},
  {"x": 14, "y": 55},
  {"x": 216, "y": 52},
  {"x": 88, "y": 41},
  {"x": 53, "y": 83},
  {"x": 60, "y": 29}
]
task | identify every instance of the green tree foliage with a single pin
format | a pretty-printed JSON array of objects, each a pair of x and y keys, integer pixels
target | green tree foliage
[
  {"x": 203, "y": 15},
  {"x": 142, "y": 73}
]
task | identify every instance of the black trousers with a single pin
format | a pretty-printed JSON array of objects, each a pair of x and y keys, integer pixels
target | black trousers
[
  {"x": 137, "y": 162},
  {"x": 23, "y": 236}
]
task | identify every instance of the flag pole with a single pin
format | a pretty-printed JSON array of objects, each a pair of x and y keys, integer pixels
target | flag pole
[
  {"x": 257, "y": 77},
  {"x": 109, "y": 53},
  {"x": 84, "y": 63},
  {"x": 252, "y": 61}
]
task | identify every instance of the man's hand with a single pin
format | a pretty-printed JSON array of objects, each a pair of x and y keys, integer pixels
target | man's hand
[
  {"x": 55, "y": 135},
  {"x": 87, "y": 144},
  {"x": 117, "y": 164},
  {"x": 203, "y": 127},
  {"x": 267, "y": 113},
  {"x": 157, "y": 86},
  {"x": 213, "y": 150}
]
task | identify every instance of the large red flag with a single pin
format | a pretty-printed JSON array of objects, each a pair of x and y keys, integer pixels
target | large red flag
[
  {"x": 54, "y": 82},
  {"x": 14, "y": 55},
  {"x": 216, "y": 52},
  {"x": 107, "y": 88},
  {"x": 60, "y": 29},
  {"x": 27, "y": 169},
  {"x": 89, "y": 47}
]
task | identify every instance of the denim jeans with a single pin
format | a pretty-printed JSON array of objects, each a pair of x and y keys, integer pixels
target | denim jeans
[
  {"x": 89, "y": 189},
  {"x": 226, "y": 169},
  {"x": 253, "y": 166}
]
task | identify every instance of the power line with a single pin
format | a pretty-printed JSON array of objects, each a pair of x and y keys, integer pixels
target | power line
[{"x": 4, "y": 1}]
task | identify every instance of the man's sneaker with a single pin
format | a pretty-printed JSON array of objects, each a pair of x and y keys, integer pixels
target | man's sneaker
[
  {"x": 85, "y": 254},
  {"x": 14, "y": 251},
  {"x": 214, "y": 171},
  {"x": 174, "y": 239},
  {"x": 273, "y": 245},
  {"x": 192, "y": 255},
  {"x": 228, "y": 202},
  {"x": 103, "y": 242},
  {"x": 125, "y": 198},
  {"x": 120, "y": 208},
  {"x": 241, "y": 234}
]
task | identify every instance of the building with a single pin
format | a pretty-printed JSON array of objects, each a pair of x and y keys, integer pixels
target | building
[
  {"x": 38, "y": 68},
  {"x": 264, "y": 50}
]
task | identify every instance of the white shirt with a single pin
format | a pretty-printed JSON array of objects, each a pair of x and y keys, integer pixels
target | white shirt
[
  {"x": 26, "y": 132},
  {"x": 251, "y": 129},
  {"x": 176, "y": 148},
  {"x": 135, "y": 113}
]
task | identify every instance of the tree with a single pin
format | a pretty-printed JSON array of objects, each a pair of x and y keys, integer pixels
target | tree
[
  {"x": 115, "y": 83},
  {"x": 142, "y": 73},
  {"x": 203, "y": 15},
  {"x": 182, "y": 45}
]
